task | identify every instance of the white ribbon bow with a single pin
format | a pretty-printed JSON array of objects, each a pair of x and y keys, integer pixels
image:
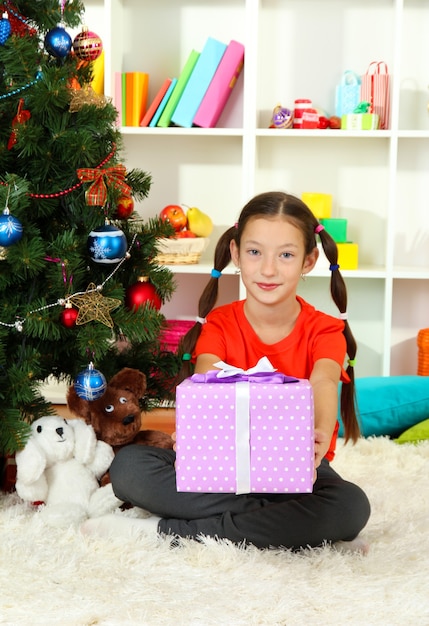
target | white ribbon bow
[{"x": 226, "y": 370}]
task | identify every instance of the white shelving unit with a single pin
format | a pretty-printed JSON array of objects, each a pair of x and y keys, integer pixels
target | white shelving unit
[{"x": 378, "y": 179}]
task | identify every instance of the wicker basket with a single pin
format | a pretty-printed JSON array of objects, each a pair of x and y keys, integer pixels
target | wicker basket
[{"x": 181, "y": 251}]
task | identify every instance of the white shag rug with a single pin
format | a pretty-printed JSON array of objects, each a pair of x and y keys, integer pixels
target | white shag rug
[{"x": 50, "y": 576}]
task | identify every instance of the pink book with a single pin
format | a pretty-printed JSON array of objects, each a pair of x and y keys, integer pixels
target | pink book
[
  {"x": 117, "y": 98},
  {"x": 221, "y": 86},
  {"x": 155, "y": 102}
]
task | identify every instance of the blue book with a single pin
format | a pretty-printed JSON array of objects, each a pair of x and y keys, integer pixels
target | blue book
[
  {"x": 198, "y": 83},
  {"x": 153, "y": 122}
]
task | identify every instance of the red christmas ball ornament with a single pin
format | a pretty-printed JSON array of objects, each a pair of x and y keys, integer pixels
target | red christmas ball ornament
[
  {"x": 124, "y": 207},
  {"x": 87, "y": 45},
  {"x": 142, "y": 293},
  {"x": 68, "y": 316}
]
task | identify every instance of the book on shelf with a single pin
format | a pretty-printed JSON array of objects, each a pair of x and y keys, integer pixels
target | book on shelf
[
  {"x": 221, "y": 86},
  {"x": 124, "y": 99},
  {"x": 136, "y": 90},
  {"x": 152, "y": 108},
  {"x": 130, "y": 97},
  {"x": 154, "y": 121},
  {"x": 165, "y": 119},
  {"x": 117, "y": 97},
  {"x": 198, "y": 82}
]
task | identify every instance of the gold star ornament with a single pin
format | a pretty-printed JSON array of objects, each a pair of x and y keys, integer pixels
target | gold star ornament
[
  {"x": 87, "y": 95},
  {"x": 92, "y": 306}
]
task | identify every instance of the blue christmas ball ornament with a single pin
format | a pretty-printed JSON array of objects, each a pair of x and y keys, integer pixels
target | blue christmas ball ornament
[
  {"x": 58, "y": 42},
  {"x": 5, "y": 29},
  {"x": 11, "y": 229},
  {"x": 107, "y": 244},
  {"x": 90, "y": 383}
]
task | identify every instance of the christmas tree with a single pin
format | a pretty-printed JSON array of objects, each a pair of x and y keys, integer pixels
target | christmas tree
[{"x": 80, "y": 288}]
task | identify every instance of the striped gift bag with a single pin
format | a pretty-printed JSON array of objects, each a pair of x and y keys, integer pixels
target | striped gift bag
[{"x": 375, "y": 89}]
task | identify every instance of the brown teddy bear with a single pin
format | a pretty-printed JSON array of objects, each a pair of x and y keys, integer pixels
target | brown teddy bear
[{"x": 116, "y": 416}]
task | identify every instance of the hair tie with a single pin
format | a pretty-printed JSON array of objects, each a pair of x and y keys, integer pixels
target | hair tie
[
  {"x": 352, "y": 362},
  {"x": 236, "y": 225},
  {"x": 201, "y": 320},
  {"x": 343, "y": 316},
  {"x": 186, "y": 356},
  {"x": 332, "y": 268},
  {"x": 216, "y": 273},
  {"x": 319, "y": 228}
]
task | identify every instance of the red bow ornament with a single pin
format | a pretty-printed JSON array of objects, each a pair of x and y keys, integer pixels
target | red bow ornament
[
  {"x": 22, "y": 116},
  {"x": 96, "y": 194}
]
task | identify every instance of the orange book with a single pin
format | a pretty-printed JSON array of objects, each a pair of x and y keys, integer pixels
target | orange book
[
  {"x": 128, "y": 109},
  {"x": 136, "y": 89}
]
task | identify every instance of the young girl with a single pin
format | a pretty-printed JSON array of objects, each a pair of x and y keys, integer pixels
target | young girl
[{"x": 273, "y": 245}]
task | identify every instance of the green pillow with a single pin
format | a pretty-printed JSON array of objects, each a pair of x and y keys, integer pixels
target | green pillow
[
  {"x": 391, "y": 404},
  {"x": 416, "y": 433}
]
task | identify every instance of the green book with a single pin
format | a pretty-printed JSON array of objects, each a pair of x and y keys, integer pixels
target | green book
[
  {"x": 124, "y": 99},
  {"x": 165, "y": 119}
]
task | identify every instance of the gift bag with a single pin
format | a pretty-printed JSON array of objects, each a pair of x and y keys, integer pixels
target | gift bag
[
  {"x": 347, "y": 94},
  {"x": 375, "y": 89}
]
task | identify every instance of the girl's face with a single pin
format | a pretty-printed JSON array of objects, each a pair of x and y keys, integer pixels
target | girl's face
[{"x": 272, "y": 258}]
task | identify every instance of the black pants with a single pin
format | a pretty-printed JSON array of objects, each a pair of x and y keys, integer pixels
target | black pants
[{"x": 336, "y": 510}]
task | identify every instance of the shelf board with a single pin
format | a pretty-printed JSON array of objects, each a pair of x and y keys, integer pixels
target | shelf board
[
  {"x": 187, "y": 132},
  {"x": 200, "y": 268},
  {"x": 271, "y": 133},
  {"x": 413, "y": 134},
  {"x": 362, "y": 272},
  {"x": 414, "y": 273},
  {"x": 323, "y": 133},
  {"x": 205, "y": 268},
  {"x": 276, "y": 133}
]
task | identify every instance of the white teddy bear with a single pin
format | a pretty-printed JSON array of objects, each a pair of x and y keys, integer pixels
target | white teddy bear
[{"x": 60, "y": 466}]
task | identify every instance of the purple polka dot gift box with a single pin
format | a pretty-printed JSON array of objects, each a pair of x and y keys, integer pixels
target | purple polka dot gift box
[{"x": 244, "y": 432}]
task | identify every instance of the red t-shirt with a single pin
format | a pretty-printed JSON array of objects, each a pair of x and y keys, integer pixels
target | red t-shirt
[{"x": 316, "y": 335}]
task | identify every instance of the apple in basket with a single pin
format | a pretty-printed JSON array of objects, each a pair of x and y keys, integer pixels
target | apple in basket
[
  {"x": 175, "y": 215},
  {"x": 185, "y": 234}
]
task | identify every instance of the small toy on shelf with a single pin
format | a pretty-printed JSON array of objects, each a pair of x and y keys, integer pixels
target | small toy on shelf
[
  {"x": 320, "y": 205},
  {"x": 281, "y": 117},
  {"x": 361, "y": 119},
  {"x": 303, "y": 118}
]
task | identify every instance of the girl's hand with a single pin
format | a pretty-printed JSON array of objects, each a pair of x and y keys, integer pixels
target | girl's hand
[
  {"x": 173, "y": 436},
  {"x": 321, "y": 446}
]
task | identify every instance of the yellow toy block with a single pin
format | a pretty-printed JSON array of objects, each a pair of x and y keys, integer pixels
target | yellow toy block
[
  {"x": 348, "y": 254},
  {"x": 320, "y": 204}
]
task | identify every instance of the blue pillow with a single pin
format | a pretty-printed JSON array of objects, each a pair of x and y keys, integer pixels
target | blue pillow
[{"x": 389, "y": 405}]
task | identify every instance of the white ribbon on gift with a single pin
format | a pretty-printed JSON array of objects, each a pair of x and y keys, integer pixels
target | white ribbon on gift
[{"x": 242, "y": 417}]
